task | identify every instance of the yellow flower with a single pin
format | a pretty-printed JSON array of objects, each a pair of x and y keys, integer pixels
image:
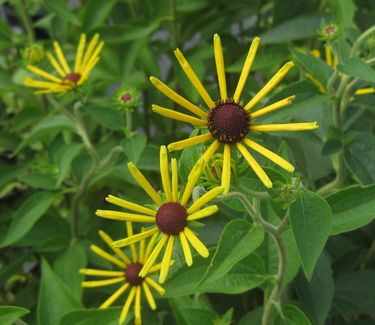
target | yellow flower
[
  {"x": 229, "y": 121},
  {"x": 127, "y": 276},
  {"x": 331, "y": 60},
  {"x": 68, "y": 79},
  {"x": 170, "y": 218}
]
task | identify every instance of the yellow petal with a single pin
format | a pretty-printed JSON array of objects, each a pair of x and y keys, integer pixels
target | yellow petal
[
  {"x": 142, "y": 248},
  {"x": 179, "y": 145},
  {"x": 165, "y": 264},
  {"x": 137, "y": 307},
  {"x": 124, "y": 216},
  {"x": 246, "y": 68},
  {"x": 272, "y": 83},
  {"x": 178, "y": 116},
  {"x": 205, "y": 198},
  {"x": 150, "y": 245},
  {"x": 284, "y": 127},
  {"x": 129, "y": 230},
  {"x": 225, "y": 177},
  {"x": 192, "y": 181},
  {"x": 255, "y": 166},
  {"x": 101, "y": 283},
  {"x": 365, "y": 91},
  {"x": 186, "y": 249},
  {"x": 128, "y": 302},
  {"x": 80, "y": 49},
  {"x": 148, "y": 294},
  {"x": 174, "y": 180},
  {"x": 61, "y": 57},
  {"x": 87, "y": 70},
  {"x": 104, "y": 273},
  {"x": 328, "y": 55},
  {"x": 56, "y": 65},
  {"x": 129, "y": 205},
  {"x": 89, "y": 51},
  {"x": 108, "y": 240},
  {"x": 114, "y": 296},
  {"x": 153, "y": 256},
  {"x": 210, "y": 210},
  {"x": 273, "y": 107},
  {"x": 40, "y": 84},
  {"x": 178, "y": 98},
  {"x": 210, "y": 151},
  {"x": 107, "y": 256},
  {"x": 164, "y": 173},
  {"x": 194, "y": 79},
  {"x": 43, "y": 74},
  {"x": 135, "y": 238},
  {"x": 142, "y": 181},
  {"x": 196, "y": 243},
  {"x": 153, "y": 284},
  {"x": 220, "y": 67},
  {"x": 270, "y": 155}
]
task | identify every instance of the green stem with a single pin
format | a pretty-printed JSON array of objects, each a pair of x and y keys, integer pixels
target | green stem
[
  {"x": 129, "y": 123},
  {"x": 26, "y": 21},
  {"x": 359, "y": 41}
]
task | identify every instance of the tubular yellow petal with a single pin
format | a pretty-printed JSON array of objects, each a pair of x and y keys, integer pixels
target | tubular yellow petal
[
  {"x": 151, "y": 245},
  {"x": 246, "y": 68},
  {"x": 179, "y": 145},
  {"x": 40, "y": 84},
  {"x": 166, "y": 262},
  {"x": 135, "y": 238},
  {"x": 316, "y": 82},
  {"x": 101, "y": 283},
  {"x": 101, "y": 272},
  {"x": 149, "y": 297},
  {"x": 93, "y": 60},
  {"x": 164, "y": 173},
  {"x": 174, "y": 180},
  {"x": 272, "y": 83},
  {"x": 328, "y": 55},
  {"x": 129, "y": 205},
  {"x": 194, "y": 79},
  {"x": 88, "y": 53},
  {"x": 210, "y": 210},
  {"x": 196, "y": 243},
  {"x": 56, "y": 65},
  {"x": 143, "y": 182},
  {"x": 87, "y": 70},
  {"x": 80, "y": 49},
  {"x": 114, "y": 296},
  {"x": 153, "y": 284},
  {"x": 365, "y": 91},
  {"x": 205, "y": 198},
  {"x": 43, "y": 74},
  {"x": 220, "y": 67},
  {"x": 192, "y": 181},
  {"x": 61, "y": 57},
  {"x": 225, "y": 177},
  {"x": 273, "y": 107},
  {"x": 53, "y": 90},
  {"x": 142, "y": 248},
  {"x": 178, "y": 98},
  {"x": 108, "y": 240},
  {"x": 155, "y": 268},
  {"x": 137, "y": 307},
  {"x": 124, "y": 216},
  {"x": 186, "y": 249},
  {"x": 284, "y": 127},
  {"x": 107, "y": 256},
  {"x": 129, "y": 230},
  {"x": 178, "y": 116},
  {"x": 269, "y": 154},
  {"x": 255, "y": 166},
  {"x": 210, "y": 151},
  {"x": 128, "y": 302},
  {"x": 153, "y": 256},
  {"x": 315, "y": 53}
]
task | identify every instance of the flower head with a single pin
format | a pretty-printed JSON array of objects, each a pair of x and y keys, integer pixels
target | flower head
[
  {"x": 228, "y": 122},
  {"x": 67, "y": 78},
  {"x": 127, "y": 275},
  {"x": 170, "y": 217}
]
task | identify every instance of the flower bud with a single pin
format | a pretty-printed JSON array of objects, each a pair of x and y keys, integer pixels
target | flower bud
[
  {"x": 33, "y": 54},
  {"x": 126, "y": 98}
]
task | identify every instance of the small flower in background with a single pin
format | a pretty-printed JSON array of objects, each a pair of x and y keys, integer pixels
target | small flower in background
[
  {"x": 228, "y": 121},
  {"x": 68, "y": 79},
  {"x": 128, "y": 276},
  {"x": 329, "y": 32},
  {"x": 126, "y": 97},
  {"x": 33, "y": 54},
  {"x": 171, "y": 218}
]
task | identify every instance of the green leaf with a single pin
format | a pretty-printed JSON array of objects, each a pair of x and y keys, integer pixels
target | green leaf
[
  {"x": 310, "y": 218},
  {"x": 26, "y": 216},
  {"x": 352, "y": 207},
  {"x": 315, "y": 303},
  {"x": 61, "y": 10},
  {"x": 39, "y": 181},
  {"x": 65, "y": 157},
  {"x": 357, "y": 68},
  {"x": 359, "y": 156},
  {"x": 108, "y": 117},
  {"x": 238, "y": 239},
  {"x": 252, "y": 317},
  {"x": 343, "y": 11},
  {"x": 108, "y": 316},
  {"x": 134, "y": 147},
  {"x": 95, "y": 13},
  {"x": 292, "y": 316},
  {"x": 9, "y": 314},
  {"x": 55, "y": 297}
]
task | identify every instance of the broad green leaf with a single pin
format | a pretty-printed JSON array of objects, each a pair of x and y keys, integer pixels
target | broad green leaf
[
  {"x": 188, "y": 6},
  {"x": 238, "y": 239},
  {"x": 9, "y": 173},
  {"x": 316, "y": 304},
  {"x": 134, "y": 147},
  {"x": 310, "y": 218},
  {"x": 352, "y": 208},
  {"x": 359, "y": 156},
  {"x": 252, "y": 317},
  {"x": 108, "y": 316},
  {"x": 95, "y": 13},
  {"x": 26, "y": 216},
  {"x": 62, "y": 10},
  {"x": 65, "y": 157},
  {"x": 55, "y": 297},
  {"x": 67, "y": 266},
  {"x": 343, "y": 11},
  {"x": 9, "y": 314},
  {"x": 355, "y": 67},
  {"x": 292, "y": 316},
  {"x": 106, "y": 116},
  {"x": 39, "y": 181}
]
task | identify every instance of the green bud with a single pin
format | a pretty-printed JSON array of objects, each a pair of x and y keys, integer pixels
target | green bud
[
  {"x": 329, "y": 32},
  {"x": 126, "y": 98},
  {"x": 33, "y": 54},
  {"x": 288, "y": 193}
]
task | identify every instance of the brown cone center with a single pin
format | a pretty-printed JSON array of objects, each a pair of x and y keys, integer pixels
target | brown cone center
[
  {"x": 228, "y": 122},
  {"x": 132, "y": 274},
  {"x": 126, "y": 97},
  {"x": 171, "y": 218},
  {"x": 73, "y": 77}
]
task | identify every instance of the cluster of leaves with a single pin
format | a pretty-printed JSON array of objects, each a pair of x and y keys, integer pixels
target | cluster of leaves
[{"x": 49, "y": 190}]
